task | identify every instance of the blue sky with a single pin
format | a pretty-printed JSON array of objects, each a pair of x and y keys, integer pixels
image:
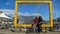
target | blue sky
[
  {"x": 30, "y": 9},
  {"x": 9, "y": 5}
]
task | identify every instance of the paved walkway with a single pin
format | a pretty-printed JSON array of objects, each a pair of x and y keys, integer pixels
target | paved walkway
[{"x": 6, "y": 31}]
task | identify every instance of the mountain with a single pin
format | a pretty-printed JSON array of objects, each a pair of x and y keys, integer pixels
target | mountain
[{"x": 28, "y": 19}]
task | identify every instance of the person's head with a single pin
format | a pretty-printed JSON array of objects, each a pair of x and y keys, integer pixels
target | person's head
[
  {"x": 40, "y": 18},
  {"x": 35, "y": 17}
]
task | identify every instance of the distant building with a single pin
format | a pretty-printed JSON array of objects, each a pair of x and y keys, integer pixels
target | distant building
[{"x": 4, "y": 18}]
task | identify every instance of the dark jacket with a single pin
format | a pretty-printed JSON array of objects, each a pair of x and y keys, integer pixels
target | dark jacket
[{"x": 39, "y": 19}]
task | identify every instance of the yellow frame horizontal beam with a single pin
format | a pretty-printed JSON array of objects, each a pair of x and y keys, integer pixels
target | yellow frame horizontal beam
[{"x": 33, "y": 2}]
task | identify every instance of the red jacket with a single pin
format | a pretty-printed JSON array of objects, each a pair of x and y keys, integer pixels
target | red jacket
[{"x": 35, "y": 20}]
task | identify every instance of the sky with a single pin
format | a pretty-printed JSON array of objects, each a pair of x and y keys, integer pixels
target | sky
[
  {"x": 8, "y": 6},
  {"x": 34, "y": 9}
]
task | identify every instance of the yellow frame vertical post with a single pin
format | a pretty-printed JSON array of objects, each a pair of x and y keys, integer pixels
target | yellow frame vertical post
[
  {"x": 15, "y": 14},
  {"x": 51, "y": 24},
  {"x": 33, "y": 2}
]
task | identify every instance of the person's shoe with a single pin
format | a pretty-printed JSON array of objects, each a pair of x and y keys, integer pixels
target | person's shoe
[{"x": 12, "y": 30}]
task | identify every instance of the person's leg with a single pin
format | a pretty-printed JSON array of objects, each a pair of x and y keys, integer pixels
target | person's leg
[
  {"x": 38, "y": 28},
  {"x": 34, "y": 27}
]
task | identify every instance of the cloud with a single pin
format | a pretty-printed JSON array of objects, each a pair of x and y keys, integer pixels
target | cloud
[
  {"x": 36, "y": 14},
  {"x": 7, "y": 3},
  {"x": 7, "y": 11},
  {"x": 11, "y": 12},
  {"x": 28, "y": 14},
  {"x": 24, "y": 14}
]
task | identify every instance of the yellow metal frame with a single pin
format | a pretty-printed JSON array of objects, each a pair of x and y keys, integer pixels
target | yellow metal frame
[{"x": 33, "y": 2}]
